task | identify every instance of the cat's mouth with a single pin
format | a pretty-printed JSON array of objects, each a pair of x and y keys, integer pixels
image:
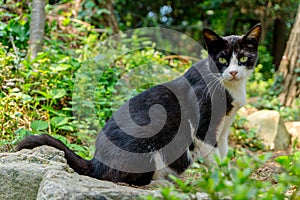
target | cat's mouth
[{"x": 232, "y": 79}]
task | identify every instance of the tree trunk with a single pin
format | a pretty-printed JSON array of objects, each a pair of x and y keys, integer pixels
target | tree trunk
[
  {"x": 37, "y": 27},
  {"x": 109, "y": 19},
  {"x": 279, "y": 41},
  {"x": 290, "y": 66}
]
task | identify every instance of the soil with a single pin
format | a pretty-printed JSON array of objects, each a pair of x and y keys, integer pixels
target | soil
[{"x": 270, "y": 168}]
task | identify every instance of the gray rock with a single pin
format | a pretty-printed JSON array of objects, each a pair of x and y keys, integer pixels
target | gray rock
[
  {"x": 43, "y": 173},
  {"x": 58, "y": 185},
  {"x": 270, "y": 128},
  {"x": 293, "y": 127},
  {"x": 22, "y": 172}
]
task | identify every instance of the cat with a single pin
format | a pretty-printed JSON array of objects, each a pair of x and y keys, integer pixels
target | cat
[{"x": 164, "y": 129}]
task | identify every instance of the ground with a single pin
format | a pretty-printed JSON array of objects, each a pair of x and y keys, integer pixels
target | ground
[{"x": 270, "y": 168}]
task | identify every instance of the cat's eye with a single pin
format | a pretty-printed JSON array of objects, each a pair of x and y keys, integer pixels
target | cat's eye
[
  {"x": 222, "y": 60},
  {"x": 243, "y": 59}
]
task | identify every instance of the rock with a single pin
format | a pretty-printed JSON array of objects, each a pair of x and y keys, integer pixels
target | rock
[
  {"x": 43, "y": 173},
  {"x": 245, "y": 111},
  {"x": 22, "y": 172},
  {"x": 294, "y": 129},
  {"x": 62, "y": 185},
  {"x": 270, "y": 128}
]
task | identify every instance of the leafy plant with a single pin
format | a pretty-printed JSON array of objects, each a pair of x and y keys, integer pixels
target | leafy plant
[
  {"x": 291, "y": 172},
  {"x": 259, "y": 85},
  {"x": 15, "y": 32},
  {"x": 241, "y": 136},
  {"x": 233, "y": 179}
]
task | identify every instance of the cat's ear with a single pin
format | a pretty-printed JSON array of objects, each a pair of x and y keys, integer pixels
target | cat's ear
[
  {"x": 254, "y": 33},
  {"x": 210, "y": 36},
  {"x": 212, "y": 40}
]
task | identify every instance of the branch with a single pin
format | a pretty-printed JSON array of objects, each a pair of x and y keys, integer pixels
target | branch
[{"x": 14, "y": 46}]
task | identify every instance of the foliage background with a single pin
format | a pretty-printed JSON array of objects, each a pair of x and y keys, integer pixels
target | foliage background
[{"x": 36, "y": 95}]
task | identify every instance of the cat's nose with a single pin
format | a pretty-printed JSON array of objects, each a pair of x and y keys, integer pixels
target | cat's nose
[{"x": 233, "y": 73}]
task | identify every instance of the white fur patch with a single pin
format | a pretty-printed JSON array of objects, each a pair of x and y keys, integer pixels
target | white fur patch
[
  {"x": 202, "y": 149},
  {"x": 158, "y": 159},
  {"x": 162, "y": 171}
]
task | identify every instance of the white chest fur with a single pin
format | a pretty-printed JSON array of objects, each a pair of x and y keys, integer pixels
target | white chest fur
[{"x": 238, "y": 92}]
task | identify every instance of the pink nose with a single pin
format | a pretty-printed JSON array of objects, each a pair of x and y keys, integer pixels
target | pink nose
[{"x": 233, "y": 73}]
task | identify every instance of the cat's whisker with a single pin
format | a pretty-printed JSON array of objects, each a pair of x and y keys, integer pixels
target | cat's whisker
[
  {"x": 213, "y": 89},
  {"x": 217, "y": 86},
  {"x": 210, "y": 78},
  {"x": 212, "y": 86},
  {"x": 208, "y": 86}
]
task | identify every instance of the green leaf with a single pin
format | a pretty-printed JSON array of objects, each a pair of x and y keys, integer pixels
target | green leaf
[
  {"x": 66, "y": 21},
  {"x": 297, "y": 155},
  {"x": 89, "y": 4},
  {"x": 24, "y": 97},
  {"x": 39, "y": 125},
  {"x": 62, "y": 139},
  {"x": 58, "y": 121},
  {"x": 51, "y": 110},
  {"x": 66, "y": 128},
  {"x": 60, "y": 67},
  {"x": 283, "y": 160},
  {"x": 59, "y": 93},
  {"x": 45, "y": 94},
  {"x": 103, "y": 11}
]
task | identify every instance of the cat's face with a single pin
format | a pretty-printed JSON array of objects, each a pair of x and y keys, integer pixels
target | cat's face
[{"x": 234, "y": 56}]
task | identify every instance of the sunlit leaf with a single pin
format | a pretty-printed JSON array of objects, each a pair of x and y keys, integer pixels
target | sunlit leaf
[
  {"x": 66, "y": 128},
  {"x": 59, "y": 93},
  {"x": 58, "y": 121},
  {"x": 60, "y": 67},
  {"x": 39, "y": 125}
]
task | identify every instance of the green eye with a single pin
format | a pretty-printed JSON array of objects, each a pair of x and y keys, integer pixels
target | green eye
[
  {"x": 243, "y": 59},
  {"x": 222, "y": 60}
]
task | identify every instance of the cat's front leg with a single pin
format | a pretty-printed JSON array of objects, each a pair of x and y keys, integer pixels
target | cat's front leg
[
  {"x": 209, "y": 153},
  {"x": 224, "y": 134},
  {"x": 223, "y": 145}
]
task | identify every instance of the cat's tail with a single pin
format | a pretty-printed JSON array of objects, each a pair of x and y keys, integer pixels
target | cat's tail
[{"x": 80, "y": 165}]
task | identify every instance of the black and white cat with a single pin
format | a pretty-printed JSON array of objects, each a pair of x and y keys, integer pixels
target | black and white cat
[{"x": 165, "y": 128}]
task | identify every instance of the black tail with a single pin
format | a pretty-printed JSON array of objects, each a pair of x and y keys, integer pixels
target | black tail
[{"x": 80, "y": 165}]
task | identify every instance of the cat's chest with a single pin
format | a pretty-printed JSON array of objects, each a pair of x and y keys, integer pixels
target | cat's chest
[{"x": 238, "y": 94}]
